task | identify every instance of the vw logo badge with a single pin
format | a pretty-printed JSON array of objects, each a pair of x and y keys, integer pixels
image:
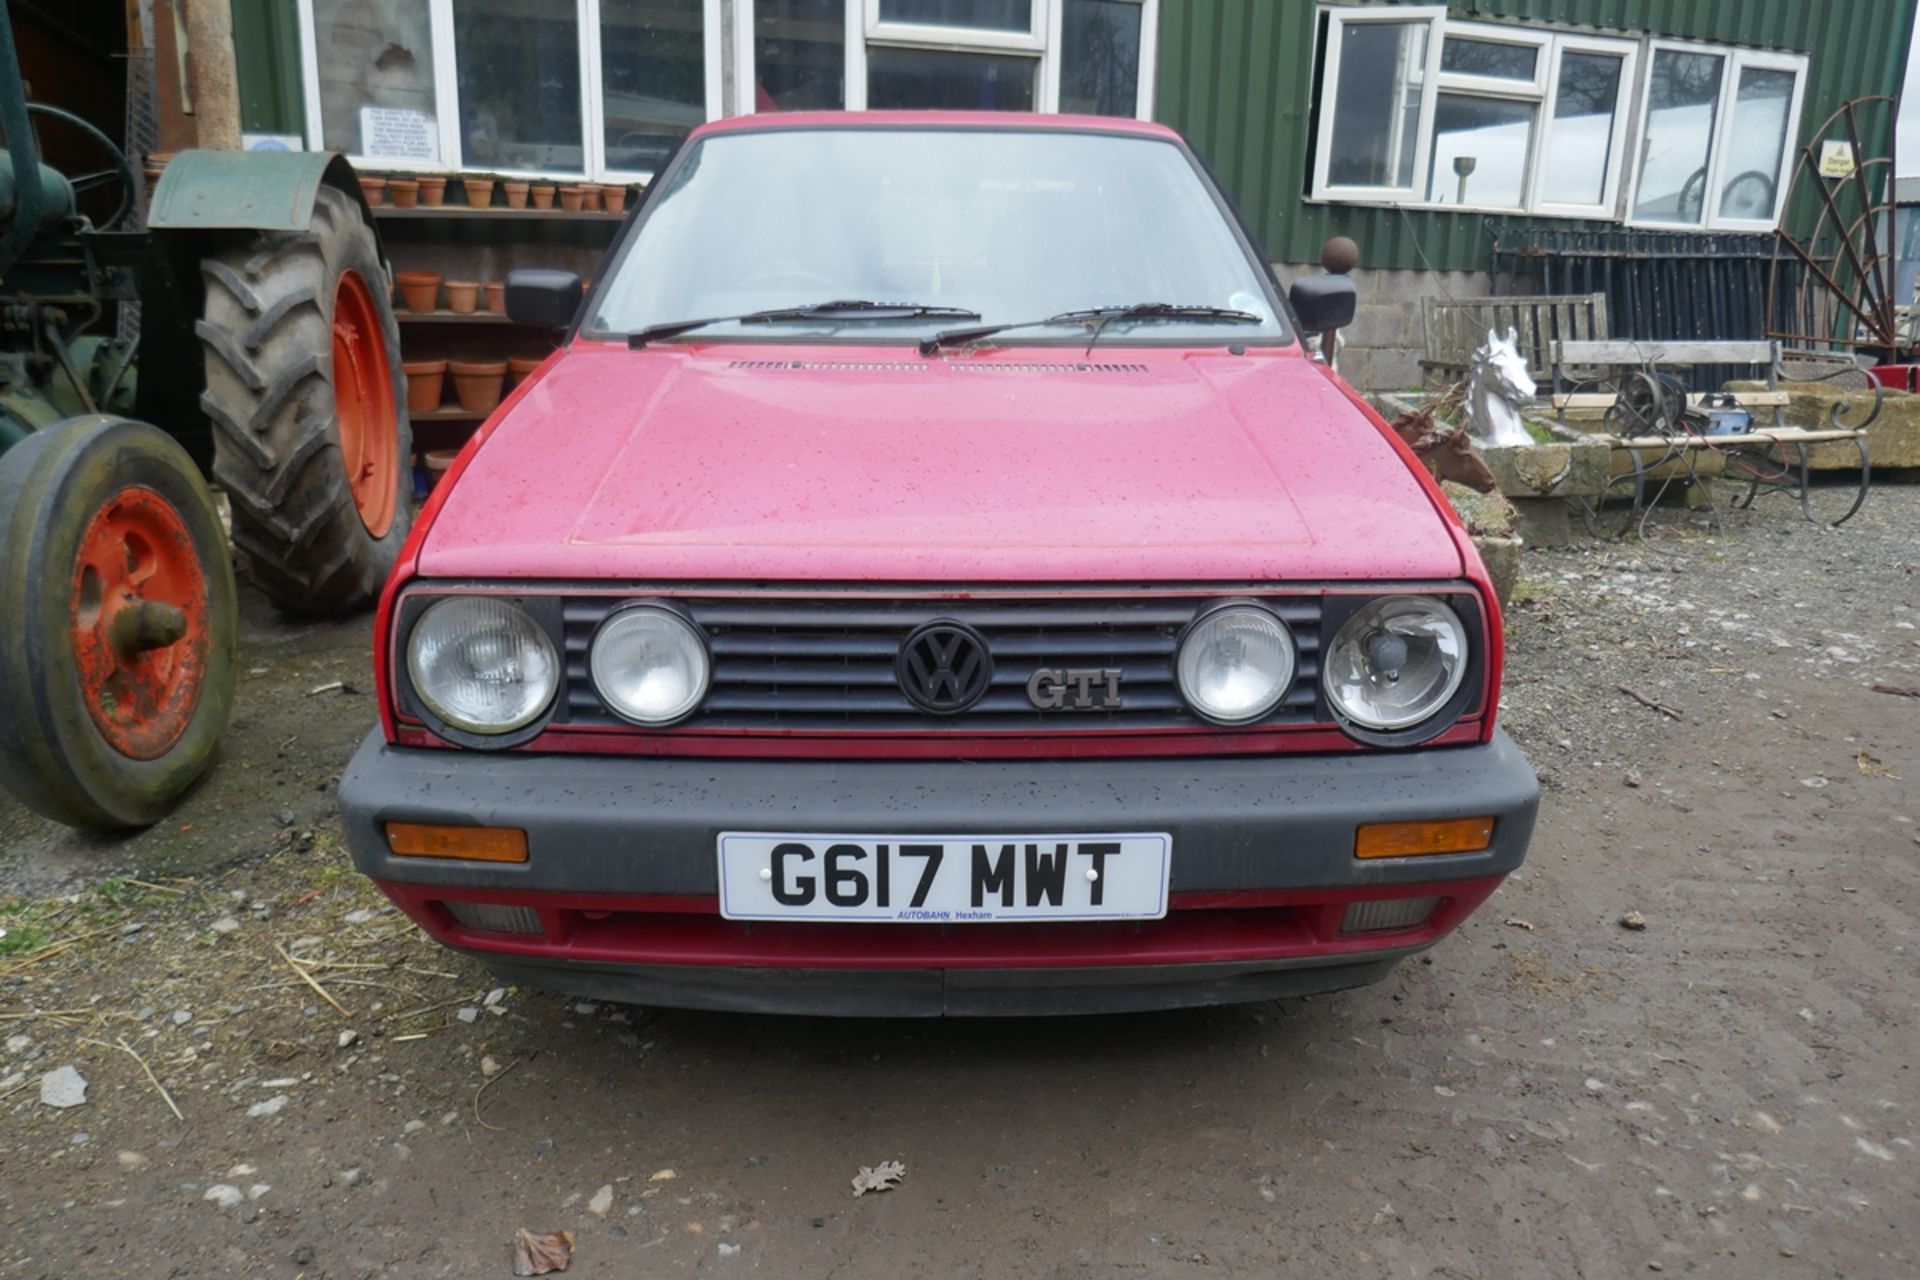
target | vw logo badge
[{"x": 944, "y": 667}]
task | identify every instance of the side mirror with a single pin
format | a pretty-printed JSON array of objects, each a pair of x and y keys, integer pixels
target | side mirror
[
  {"x": 543, "y": 298},
  {"x": 1321, "y": 302}
]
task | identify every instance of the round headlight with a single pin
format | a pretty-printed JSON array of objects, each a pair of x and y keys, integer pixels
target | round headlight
[
  {"x": 1235, "y": 664},
  {"x": 1396, "y": 662},
  {"x": 481, "y": 664},
  {"x": 650, "y": 665}
]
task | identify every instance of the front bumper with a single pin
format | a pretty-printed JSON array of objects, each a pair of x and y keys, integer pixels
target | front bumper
[{"x": 622, "y": 871}]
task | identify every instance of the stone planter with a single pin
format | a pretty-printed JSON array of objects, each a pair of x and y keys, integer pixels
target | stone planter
[{"x": 1538, "y": 479}]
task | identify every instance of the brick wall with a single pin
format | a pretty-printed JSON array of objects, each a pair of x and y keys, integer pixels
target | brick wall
[{"x": 1382, "y": 347}]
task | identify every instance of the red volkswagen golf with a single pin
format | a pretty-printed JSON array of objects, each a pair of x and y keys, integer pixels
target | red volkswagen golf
[{"x": 934, "y": 577}]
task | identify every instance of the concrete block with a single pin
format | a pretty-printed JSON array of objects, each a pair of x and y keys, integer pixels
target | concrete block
[
  {"x": 1378, "y": 325},
  {"x": 1393, "y": 370}
]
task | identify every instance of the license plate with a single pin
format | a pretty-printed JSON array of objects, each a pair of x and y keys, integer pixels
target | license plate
[{"x": 943, "y": 879}]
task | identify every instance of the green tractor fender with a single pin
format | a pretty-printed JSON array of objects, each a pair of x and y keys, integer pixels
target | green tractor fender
[
  {"x": 247, "y": 190},
  {"x": 205, "y": 201}
]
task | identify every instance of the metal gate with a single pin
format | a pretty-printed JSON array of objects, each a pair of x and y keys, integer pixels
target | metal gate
[{"x": 1658, "y": 284}]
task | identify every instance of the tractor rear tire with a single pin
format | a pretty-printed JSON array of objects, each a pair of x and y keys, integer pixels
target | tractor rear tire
[
  {"x": 116, "y": 678},
  {"x": 307, "y": 399}
]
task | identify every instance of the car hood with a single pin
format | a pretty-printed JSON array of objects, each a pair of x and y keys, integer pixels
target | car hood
[{"x": 720, "y": 461}]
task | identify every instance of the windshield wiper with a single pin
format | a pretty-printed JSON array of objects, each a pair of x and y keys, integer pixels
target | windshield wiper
[
  {"x": 839, "y": 309},
  {"x": 1095, "y": 318}
]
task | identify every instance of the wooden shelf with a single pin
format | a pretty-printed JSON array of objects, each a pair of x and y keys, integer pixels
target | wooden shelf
[
  {"x": 449, "y": 413},
  {"x": 466, "y": 213},
  {"x": 404, "y": 316}
]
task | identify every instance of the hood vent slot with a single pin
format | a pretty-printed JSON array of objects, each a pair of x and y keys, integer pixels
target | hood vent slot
[
  {"x": 924, "y": 366},
  {"x": 830, "y": 366}
]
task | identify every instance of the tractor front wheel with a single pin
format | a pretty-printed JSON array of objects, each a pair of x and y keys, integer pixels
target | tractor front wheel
[
  {"x": 308, "y": 403},
  {"x": 116, "y": 677}
]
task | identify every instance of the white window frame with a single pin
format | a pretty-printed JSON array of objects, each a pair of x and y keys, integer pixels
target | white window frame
[
  {"x": 864, "y": 26},
  {"x": 1338, "y": 20},
  {"x": 1532, "y": 92},
  {"x": 1735, "y": 60},
  {"x": 1621, "y": 189},
  {"x": 446, "y": 94},
  {"x": 1625, "y": 99}
]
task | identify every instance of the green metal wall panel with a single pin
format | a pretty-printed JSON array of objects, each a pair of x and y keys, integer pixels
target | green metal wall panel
[
  {"x": 266, "y": 49},
  {"x": 1237, "y": 77}
]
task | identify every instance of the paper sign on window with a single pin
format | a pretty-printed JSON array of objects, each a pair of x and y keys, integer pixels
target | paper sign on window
[{"x": 398, "y": 133}]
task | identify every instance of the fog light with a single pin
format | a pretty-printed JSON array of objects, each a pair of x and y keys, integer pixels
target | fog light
[
  {"x": 1406, "y": 839},
  {"x": 1387, "y": 913},
  {"x": 476, "y": 844},
  {"x": 496, "y": 917}
]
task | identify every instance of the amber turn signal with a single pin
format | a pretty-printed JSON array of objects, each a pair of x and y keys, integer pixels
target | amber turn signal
[
  {"x": 476, "y": 844},
  {"x": 1406, "y": 839}
]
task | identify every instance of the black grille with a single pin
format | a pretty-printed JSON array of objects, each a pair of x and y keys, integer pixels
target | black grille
[{"x": 829, "y": 664}]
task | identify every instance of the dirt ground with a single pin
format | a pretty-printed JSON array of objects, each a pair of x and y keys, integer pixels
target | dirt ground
[{"x": 1730, "y": 1091}]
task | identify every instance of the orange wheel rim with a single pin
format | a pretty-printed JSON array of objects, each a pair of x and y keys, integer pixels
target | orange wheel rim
[
  {"x": 139, "y": 623},
  {"x": 363, "y": 404}
]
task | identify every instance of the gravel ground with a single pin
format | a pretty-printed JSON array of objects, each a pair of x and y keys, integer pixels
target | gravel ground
[{"x": 1727, "y": 1091}]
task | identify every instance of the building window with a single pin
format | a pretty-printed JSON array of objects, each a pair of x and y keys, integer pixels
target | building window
[
  {"x": 653, "y": 78},
  {"x": 518, "y": 69},
  {"x": 601, "y": 88},
  {"x": 371, "y": 89},
  {"x": 1718, "y": 126},
  {"x": 798, "y": 55},
  {"x": 1100, "y": 57},
  {"x": 1417, "y": 109},
  {"x": 1091, "y": 56}
]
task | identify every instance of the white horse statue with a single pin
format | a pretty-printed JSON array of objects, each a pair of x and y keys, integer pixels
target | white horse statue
[{"x": 1497, "y": 385}]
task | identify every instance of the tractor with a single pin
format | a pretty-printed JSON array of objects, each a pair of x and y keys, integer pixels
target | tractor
[{"x": 264, "y": 359}]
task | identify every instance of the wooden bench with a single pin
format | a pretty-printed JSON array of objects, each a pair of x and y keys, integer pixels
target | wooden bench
[
  {"x": 1454, "y": 328},
  {"x": 1630, "y": 371},
  {"x": 1612, "y": 363}
]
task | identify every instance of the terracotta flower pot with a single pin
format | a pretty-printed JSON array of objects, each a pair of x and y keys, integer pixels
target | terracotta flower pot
[
  {"x": 543, "y": 195},
  {"x": 433, "y": 192},
  {"x": 477, "y": 383},
  {"x": 374, "y": 189},
  {"x": 463, "y": 296},
  {"x": 419, "y": 290},
  {"x": 516, "y": 195},
  {"x": 497, "y": 297},
  {"x": 572, "y": 198},
  {"x": 404, "y": 192},
  {"x": 426, "y": 379},
  {"x": 479, "y": 192},
  {"x": 519, "y": 367},
  {"x": 436, "y": 462},
  {"x": 590, "y": 197},
  {"x": 613, "y": 199}
]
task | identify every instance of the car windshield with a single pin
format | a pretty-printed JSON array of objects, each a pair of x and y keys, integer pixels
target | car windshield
[{"x": 1014, "y": 225}]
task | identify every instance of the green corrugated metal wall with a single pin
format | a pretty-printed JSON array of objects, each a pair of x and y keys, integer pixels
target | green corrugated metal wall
[{"x": 1236, "y": 76}]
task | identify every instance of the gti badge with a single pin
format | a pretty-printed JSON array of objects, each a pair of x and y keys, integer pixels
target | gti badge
[{"x": 1047, "y": 688}]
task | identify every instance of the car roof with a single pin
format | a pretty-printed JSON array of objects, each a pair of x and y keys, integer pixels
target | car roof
[{"x": 1002, "y": 120}]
